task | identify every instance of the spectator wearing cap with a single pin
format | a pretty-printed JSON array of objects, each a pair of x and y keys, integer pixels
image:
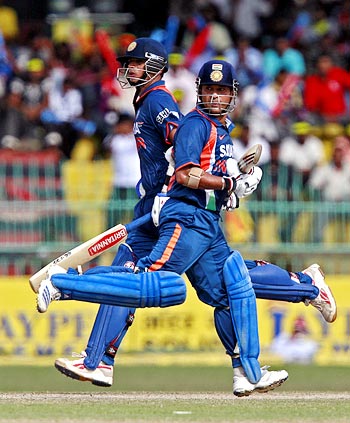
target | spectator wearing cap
[
  {"x": 181, "y": 82},
  {"x": 301, "y": 149}
]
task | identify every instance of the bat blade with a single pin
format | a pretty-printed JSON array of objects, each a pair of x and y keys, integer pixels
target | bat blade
[
  {"x": 90, "y": 249},
  {"x": 250, "y": 158}
]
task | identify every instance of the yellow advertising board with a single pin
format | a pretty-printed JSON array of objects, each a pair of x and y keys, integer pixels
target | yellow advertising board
[{"x": 24, "y": 333}]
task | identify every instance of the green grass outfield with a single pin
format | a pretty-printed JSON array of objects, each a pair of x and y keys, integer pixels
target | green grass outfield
[{"x": 172, "y": 394}]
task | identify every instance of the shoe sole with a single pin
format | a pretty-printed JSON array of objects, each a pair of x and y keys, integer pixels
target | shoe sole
[
  {"x": 72, "y": 375},
  {"x": 260, "y": 390}
]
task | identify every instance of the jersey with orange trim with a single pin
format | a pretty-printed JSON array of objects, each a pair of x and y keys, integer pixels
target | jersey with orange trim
[
  {"x": 157, "y": 113},
  {"x": 202, "y": 141}
]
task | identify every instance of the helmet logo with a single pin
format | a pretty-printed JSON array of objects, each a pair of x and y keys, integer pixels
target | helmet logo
[
  {"x": 132, "y": 46},
  {"x": 216, "y": 76}
]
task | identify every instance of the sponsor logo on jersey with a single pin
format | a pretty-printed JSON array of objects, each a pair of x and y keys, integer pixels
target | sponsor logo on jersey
[
  {"x": 226, "y": 150},
  {"x": 162, "y": 115},
  {"x": 107, "y": 241}
]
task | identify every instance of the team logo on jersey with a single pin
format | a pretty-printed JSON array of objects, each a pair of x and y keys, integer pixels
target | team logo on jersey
[
  {"x": 216, "y": 76},
  {"x": 132, "y": 46}
]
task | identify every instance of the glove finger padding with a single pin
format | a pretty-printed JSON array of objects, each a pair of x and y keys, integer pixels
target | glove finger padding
[
  {"x": 231, "y": 202},
  {"x": 169, "y": 155},
  {"x": 248, "y": 182}
]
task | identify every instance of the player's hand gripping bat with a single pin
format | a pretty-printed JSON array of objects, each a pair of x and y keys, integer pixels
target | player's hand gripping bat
[{"x": 116, "y": 235}]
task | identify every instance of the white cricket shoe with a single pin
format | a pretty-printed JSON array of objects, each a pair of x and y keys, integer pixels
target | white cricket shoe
[
  {"x": 269, "y": 381},
  {"x": 75, "y": 369},
  {"x": 325, "y": 301},
  {"x": 47, "y": 292}
]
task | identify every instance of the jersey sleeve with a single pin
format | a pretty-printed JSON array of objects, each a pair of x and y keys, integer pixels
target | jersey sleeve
[
  {"x": 189, "y": 142},
  {"x": 165, "y": 114}
]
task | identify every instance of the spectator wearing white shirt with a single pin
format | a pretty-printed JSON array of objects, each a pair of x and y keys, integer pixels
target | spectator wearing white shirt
[
  {"x": 121, "y": 147},
  {"x": 246, "y": 139},
  {"x": 65, "y": 111},
  {"x": 331, "y": 182},
  {"x": 302, "y": 150},
  {"x": 181, "y": 82}
]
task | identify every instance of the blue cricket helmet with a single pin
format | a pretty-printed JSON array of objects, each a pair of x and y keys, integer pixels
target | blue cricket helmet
[
  {"x": 218, "y": 72},
  {"x": 146, "y": 49}
]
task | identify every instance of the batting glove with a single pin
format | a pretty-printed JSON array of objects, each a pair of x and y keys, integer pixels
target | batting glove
[{"x": 247, "y": 183}]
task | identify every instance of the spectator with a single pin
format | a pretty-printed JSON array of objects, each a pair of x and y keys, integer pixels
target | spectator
[
  {"x": 274, "y": 106},
  {"x": 245, "y": 140},
  {"x": 126, "y": 164},
  {"x": 210, "y": 38},
  {"x": 65, "y": 111},
  {"x": 26, "y": 99},
  {"x": 325, "y": 92},
  {"x": 181, "y": 82},
  {"x": 283, "y": 56},
  {"x": 247, "y": 17},
  {"x": 248, "y": 63},
  {"x": 296, "y": 347},
  {"x": 280, "y": 184},
  {"x": 9, "y": 22},
  {"x": 331, "y": 182},
  {"x": 302, "y": 150}
]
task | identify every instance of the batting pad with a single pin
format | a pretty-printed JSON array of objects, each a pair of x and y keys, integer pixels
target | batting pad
[
  {"x": 243, "y": 314},
  {"x": 149, "y": 289},
  {"x": 270, "y": 282}
]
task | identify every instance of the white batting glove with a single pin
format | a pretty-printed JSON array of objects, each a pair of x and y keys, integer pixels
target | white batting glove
[
  {"x": 247, "y": 183},
  {"x": 232, "y": 202},
  {"x": 232, "y": 167},
  {"x": 170, "y": 157}
]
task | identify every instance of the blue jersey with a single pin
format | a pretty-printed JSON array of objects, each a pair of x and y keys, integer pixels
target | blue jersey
[
  {"x": 203, "y": 141},
  {"x": 156, "y": 114}
]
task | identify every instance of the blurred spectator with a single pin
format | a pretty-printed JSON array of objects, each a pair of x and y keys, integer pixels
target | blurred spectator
[
  {"x": 302, "y": 150},
  {"x": 181, "y": 82},
  {"x": 206, "y": 37},
  {"x": 247, "y": 16},
  {"x": 325, "y": 92},
  {"x": 274, "y": 106},
  {"x": 64, "y": 114},
  {"x": 283, "y": 56},
  {"x": 248, "y": 63},
  {"x": 27, "y": 98},
  {"x": 280, "y": 183},
  {"x": 331, "y": 182},
  {"x": 8, "y": 22},
  {"x": 297, "y": 346},
  {"x": 121, "y": 146},
  {"x": 245, "y": 140}
]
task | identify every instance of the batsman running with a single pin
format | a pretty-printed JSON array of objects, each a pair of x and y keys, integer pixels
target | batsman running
[{"x": 157, "y": 117}]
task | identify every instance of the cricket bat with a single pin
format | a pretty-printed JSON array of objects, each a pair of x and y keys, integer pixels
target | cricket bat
[
  {"x": 90, "y": 249},
  {"x": 116, "y": 235}
]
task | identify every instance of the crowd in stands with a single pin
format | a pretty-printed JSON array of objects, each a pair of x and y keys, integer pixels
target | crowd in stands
[{"x": 292, "y": 60}]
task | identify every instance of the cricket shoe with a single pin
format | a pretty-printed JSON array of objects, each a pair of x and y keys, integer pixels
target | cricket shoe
[
  {"x": 47, "y": 292},
  {"x": 325, "y": 301},
  {"x": 75, "y": 369},
  {"x": 268, "y": 381}
]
